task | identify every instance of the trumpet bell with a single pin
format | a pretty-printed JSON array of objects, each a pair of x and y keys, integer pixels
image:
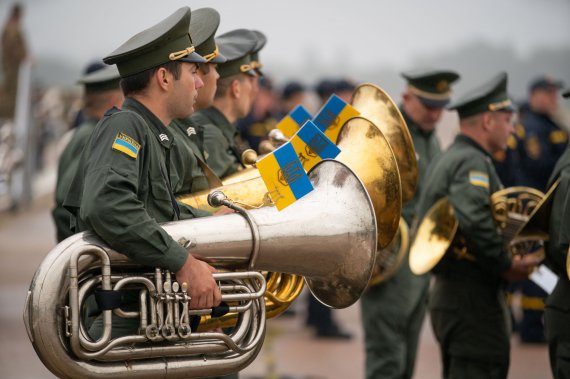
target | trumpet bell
[
  {"x": 374, "y": 104},
  {"x": 434, "y": 237}
]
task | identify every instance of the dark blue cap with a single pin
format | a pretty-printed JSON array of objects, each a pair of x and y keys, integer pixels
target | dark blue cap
[{"x": 545, "y": 82}]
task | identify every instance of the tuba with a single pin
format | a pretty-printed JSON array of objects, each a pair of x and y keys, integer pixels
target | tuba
[
  {"x": 437, "y": 233},
  {"x": 328, "y": 236},
  {"x": 366, "y": 151},
  {"x": 377, "y": 106}
]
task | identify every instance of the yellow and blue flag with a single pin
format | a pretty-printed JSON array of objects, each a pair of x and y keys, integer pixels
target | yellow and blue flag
[
  {"x": 126, "y": 145},
  {"x": 284, "y": 176},
  {"x": 291, "y": 123},
  {"x": 312, "y": 146},
  {"x": 333, "y": 115}
]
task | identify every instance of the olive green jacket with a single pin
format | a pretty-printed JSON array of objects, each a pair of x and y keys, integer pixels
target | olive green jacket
[
  {"x": 186, "y": 172},
  {"x": 427, "y": 149},
  {"x": 220, "y": 149},
  {"x": 123, "y": 196},
  {"x": 466, "y": 176},
  {"x": 67, "y": 166}
]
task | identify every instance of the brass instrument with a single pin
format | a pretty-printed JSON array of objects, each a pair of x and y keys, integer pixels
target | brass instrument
[
  {"x": 328, "y": 236},
  {"x": 275, "y": 138},
  {"x": 374, "y": 104},
  {"x": 390, "y": 259},
  {"x": 437, "y": 232}
]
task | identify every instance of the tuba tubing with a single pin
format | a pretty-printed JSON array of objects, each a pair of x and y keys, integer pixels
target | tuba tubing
[{"x": 328, "y": 236}]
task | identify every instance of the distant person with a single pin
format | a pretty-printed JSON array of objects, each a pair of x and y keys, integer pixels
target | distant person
[
  {"x": 557, "y": 314},
  {"x": 102, "y": 92},
  {"x": 292, "y": 94},
  {"x": 14, "y": 51},
  {"x": 393, "y": 311},
  {"x": 91, "y": 67}
]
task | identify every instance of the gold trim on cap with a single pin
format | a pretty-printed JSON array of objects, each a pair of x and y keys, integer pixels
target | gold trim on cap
[
  {"x": 500, "y": 105},
  {"x": 212, "y": 55},
  {"x": 181, "y": 54},
  {"x": 430, "y": 95},
  {"x": 246, "y": 67},
  {"x": 256, "y": 65}
]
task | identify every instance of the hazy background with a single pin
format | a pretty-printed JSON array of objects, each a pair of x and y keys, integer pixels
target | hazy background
[{"x": 307, "y": 40}]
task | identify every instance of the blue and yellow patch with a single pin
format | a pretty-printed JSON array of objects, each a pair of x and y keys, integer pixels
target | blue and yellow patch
[
  {"x": 479, "y": 178},
  {"x": 127, "y": 145}
]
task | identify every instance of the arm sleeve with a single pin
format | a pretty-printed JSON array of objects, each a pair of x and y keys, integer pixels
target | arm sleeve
[
  {"x": 110, "y": 205},
  {"x": 471, "y": 203}
]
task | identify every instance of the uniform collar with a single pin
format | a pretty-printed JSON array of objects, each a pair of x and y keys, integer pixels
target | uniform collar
[
  {"x": 161, "y": 132},
  {"x": 228, "y": 130},
  {"x": 463, "y": 139},
  {"x": 412, "y": 126}
]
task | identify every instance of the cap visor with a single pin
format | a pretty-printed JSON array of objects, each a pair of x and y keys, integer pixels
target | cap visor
[
  {"x": 431, "y": 103},
  {"x": 219, "y": 59},
  {"x": 193, "y": 58},
  {"x": 259, "y": 72},
  {"x": 251, "y": 73}
]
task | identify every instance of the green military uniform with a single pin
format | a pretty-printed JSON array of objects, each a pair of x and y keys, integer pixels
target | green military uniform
[
  {"x": 220, "y": 147},
  {"x": 187, "y": 156},
  {"x": 122, "y": 190},
  {"x": 393, "y": 311},
  {"x": 99, "y": 81},
  {"x": 467, "y": 305},
  {"x": 557, "y": 311}
]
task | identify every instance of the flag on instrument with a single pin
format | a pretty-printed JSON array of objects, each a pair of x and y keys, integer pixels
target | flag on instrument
[
  {"x": 333, "y": 115},
  {"x": 284, "y": 176},
  {"x": 291, "y": 123},
  {"x": 312, "y": 146}
]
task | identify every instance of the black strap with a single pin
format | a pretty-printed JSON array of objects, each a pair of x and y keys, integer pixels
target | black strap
[
  {"x": 218, "y": 311},
  {"x": 108, "y": 299},
  {"x": 211, "y": 177}
]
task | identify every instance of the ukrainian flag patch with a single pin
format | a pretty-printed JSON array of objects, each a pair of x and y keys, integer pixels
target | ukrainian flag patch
[
  {"x": 478, "y": 178},
  {"x": 126, "y": 145}
]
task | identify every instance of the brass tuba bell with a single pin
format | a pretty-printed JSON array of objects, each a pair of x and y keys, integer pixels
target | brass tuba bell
[
  {"x": 437, "y": 233},
  {"x": 328, "y": 236}
]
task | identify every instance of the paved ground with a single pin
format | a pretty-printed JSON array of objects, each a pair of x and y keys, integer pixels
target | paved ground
[{"x": 289, "y": 351}]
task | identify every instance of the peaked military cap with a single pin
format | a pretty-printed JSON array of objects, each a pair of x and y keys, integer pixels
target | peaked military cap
[
  {"x": 104, "y": 79},
  {"x": 432, "y": 87},
  {"x": 164, "y": 42},
  {"x": 490, "y": 97},
  {"x": 545, "y": 82},
  {"x": 566, "y": 93},
  {"x": 261, "y": 41},
  {"x": 203, "y": 27},
  {"x": 236, "y": 46}
]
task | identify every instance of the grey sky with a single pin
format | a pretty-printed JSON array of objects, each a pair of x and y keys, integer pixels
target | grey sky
[{"x": 327, "y": 35}]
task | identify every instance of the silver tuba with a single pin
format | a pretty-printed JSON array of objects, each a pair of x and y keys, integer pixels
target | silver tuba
[{"x": 329, "y": 237}]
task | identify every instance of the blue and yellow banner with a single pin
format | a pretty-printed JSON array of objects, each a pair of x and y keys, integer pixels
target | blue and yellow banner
[
  {"x": 291, "y": 123},
  {"x": 284, "y": 176},
  {"x": 333, "y": 115},
  {"x": 312, "y": 146}
]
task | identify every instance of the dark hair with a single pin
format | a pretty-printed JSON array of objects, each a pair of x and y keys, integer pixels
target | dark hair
[
  {"x": 291, "y": 89},
  {"x": 138, "y": 82}
]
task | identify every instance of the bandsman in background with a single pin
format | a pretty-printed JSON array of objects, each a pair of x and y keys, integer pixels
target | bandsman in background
[
  {"x": 101, "y": 93},
  {"x": 557, "y": 312},
  {"x": 467, "y": 304},
  {"x": 122, "y": 190},
  {"x": 190, "y": 173},
  {"x": 540, "y": 143},
  {"x": 232, "y": 101},
  {"x": 393, "y": 311}
]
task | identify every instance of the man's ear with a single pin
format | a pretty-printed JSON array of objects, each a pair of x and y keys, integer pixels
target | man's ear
[
  {"x": 488, "y": 121},
  {"x": 235, "y": 88},
  {"x": 163, "y": 78}
]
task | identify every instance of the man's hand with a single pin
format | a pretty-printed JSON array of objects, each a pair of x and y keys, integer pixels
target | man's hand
[
  {"x": 202, "y": 287},
  {"x": 521, "y": 268}
]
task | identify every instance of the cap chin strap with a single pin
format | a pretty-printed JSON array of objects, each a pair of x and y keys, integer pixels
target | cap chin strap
[
  {"x": 212, "y": 55},
  {"x": 500, "y": 105},
  {"x": 181, "y": 54},
  {"x": 429, "y": 95},
  {"x": 246, "y": 67}
]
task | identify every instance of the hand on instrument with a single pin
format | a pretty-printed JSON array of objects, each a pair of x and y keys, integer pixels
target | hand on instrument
[
  {"x": 202, "y": 288},
  {"x": 521, "y": 268}
]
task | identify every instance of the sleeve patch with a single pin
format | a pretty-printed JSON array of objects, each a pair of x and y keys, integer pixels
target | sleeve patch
[
  {"x": 126, "y": 145},
  {"x": 478, "y": 178}
]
